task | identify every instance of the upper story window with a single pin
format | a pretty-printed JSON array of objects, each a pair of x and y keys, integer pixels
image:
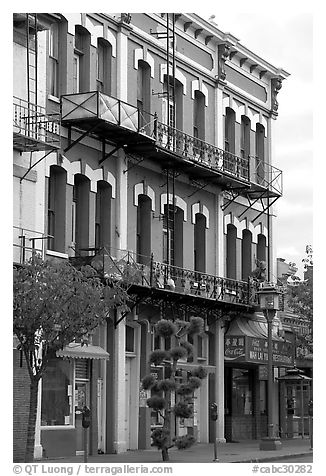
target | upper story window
[
  {"x": 144, "y": 91},
  {"x": 81, "y": 60},
  {"x": 173, "y": 103},
  {"x": 54, "y": 60},
  {"x": 103, "y": 66},
  {"x": 245, "y": 137},
  {"x": 199, "y": 116},
  {"x": 57, "y": 209},
  {"x": 229, "y": 131}
]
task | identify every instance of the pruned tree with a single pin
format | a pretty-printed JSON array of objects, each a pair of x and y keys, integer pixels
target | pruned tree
[
  {"x": 54, "y": 304},
  {"x": 169, "y": 397}
]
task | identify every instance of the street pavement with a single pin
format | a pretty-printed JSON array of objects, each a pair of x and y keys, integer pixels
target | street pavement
[{"x": 240, "y": 452}]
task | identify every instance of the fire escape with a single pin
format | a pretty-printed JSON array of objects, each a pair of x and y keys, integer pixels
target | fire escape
[{"x": 34, "y": 130}]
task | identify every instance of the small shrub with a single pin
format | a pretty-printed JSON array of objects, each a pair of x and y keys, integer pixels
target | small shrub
[
  {"x": 182, "y": 410},
  {"x": 156, "y": 403},
  {"x": 165, "y": 328},
  {"x": 185, "y": 389},
  {"x": 189, "y": 348},
  {"x": 166, "y": 385},
  {"x": 148, "y": 382},
  {"x": 199, "y": 372},
  {"x": 196, "y": 325},
  {"x": 194, "y": 382},
  {"x": 160, "y": 437},
  {"x": 184, "y": 442},
  {"x": 157, "y": 357},
  {"x": 178, "y": 353}
]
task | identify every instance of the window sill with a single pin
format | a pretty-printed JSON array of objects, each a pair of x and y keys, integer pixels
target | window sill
[
  {"x": 53, "y": 98},
  {"x": 57, "y": 254},
  {"x": 58, "y": 427}
]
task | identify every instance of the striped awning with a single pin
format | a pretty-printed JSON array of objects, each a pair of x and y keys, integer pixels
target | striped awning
[{"x": 75, "y": 350}]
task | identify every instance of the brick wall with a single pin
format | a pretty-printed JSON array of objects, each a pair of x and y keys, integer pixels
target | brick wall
[{"x": 20, "y": 406}]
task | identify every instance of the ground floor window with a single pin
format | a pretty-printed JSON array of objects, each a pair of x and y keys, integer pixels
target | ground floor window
[{"x": 57, "y": 393}]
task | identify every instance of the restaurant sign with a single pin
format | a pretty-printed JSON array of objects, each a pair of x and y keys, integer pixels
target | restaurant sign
[{"x": 255, "y": 350}]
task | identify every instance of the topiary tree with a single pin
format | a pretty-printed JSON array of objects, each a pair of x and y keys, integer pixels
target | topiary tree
[{"x": 169, "y": 397}]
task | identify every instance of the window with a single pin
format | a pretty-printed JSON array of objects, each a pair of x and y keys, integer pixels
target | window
[
  {"x": 81, "y": 197},
  {"x": 130, "y": 339},
  {"x": 261, "y": 247},
  {"x": 229, "y": 131},
  {"x": 200, "y": 243},
  {"x": 103, "y": 66},
  {"x": 57, "y": 209},
  {"x": 260, "y": 153},
  {"x": 245, "y": 137},
  {"x": 168, "y": 234},
  {"x": 81, "y": 60},
  {"x": 246, "y": 254},
  {"x": 144, "y": 219},
  {"x": 103, "y": 215},
  {"x": 231, "y": 240},
  {"x": 54, "y": 60},
  {"x": 199, "y": 119},
  {"x": 144, "y": 92},
  {"x": 57, "y": 393}
]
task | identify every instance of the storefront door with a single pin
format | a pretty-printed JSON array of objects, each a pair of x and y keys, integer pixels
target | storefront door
[{"x": 82, "y": 398}]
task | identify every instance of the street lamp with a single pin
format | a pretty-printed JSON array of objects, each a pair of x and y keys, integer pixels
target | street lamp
[{"x": 269, "y": 304}]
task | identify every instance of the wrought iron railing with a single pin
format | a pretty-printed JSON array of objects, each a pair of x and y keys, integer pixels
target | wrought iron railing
[
  {"x": 202, "y": 152},
  {"x": 119, "y": 265},
  {"x": 32, "y": 122},
  {"x": 96, "y": 105}
]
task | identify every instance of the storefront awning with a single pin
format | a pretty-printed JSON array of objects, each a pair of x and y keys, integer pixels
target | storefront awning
[
  {"x": 246, "y": 341},
  {"x": 77, "y": 351}
]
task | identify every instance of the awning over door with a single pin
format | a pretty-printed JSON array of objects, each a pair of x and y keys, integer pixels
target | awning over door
[
  {"x": 246, "y": 341},
  {"x": 77, "y": 351}
]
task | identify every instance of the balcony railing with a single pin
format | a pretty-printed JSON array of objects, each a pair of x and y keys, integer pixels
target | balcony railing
[
  {"x": 201, "y": 152},
  {"x": 86, "y": 107},
  {"x": 124, "y": 266},
  {"x": 33, "y": 128},
  {"x": 26, "y": 243}
]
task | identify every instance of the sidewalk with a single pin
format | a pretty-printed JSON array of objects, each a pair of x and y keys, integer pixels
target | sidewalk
[{"x": 242, "y": 452}]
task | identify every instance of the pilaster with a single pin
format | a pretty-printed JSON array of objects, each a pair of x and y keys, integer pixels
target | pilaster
[{"x": 219, "y": 380}]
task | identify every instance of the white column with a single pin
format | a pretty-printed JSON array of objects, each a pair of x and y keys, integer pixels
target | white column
[
  {"x": 119, "y": 442},
  {"x": 38, "y": 449},
  {"x": 219, "y": 380},
  {"x": 219, "y": 122},
  {"x": 122, "y": 64}
]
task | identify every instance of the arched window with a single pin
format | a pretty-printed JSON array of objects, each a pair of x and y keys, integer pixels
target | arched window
[
  {"x": 261, "y": 248},
  {"x": 81, "y": 197},
  {"x": 245, "y": 137},
  {"x": 173, "y": 235},
  {"x": 199, "y": 115},
  {"x": 81, "y": 60},
  {"x": 260, "y": 153},
  {"x": 246, "y": 254},
  {"x": 200, "y": 243},
  {"x": 144, "y": 222},
  {"x": 143, "y": 92},
  {"x": 231, "y": 252},
  {"x": 103, "y": 66},
  {"x": 103, "y": 215},
  {"x": 57, "y": 209},
  {"x": 173, "y": 115},
  {"x": 229, "y": 132}
]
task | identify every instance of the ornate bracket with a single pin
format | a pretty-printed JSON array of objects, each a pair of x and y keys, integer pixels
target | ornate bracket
[
  {"x": 125, "y": 18},
  {"x": 276, "y": 85},
  {"x": 223, "y": 54}
]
